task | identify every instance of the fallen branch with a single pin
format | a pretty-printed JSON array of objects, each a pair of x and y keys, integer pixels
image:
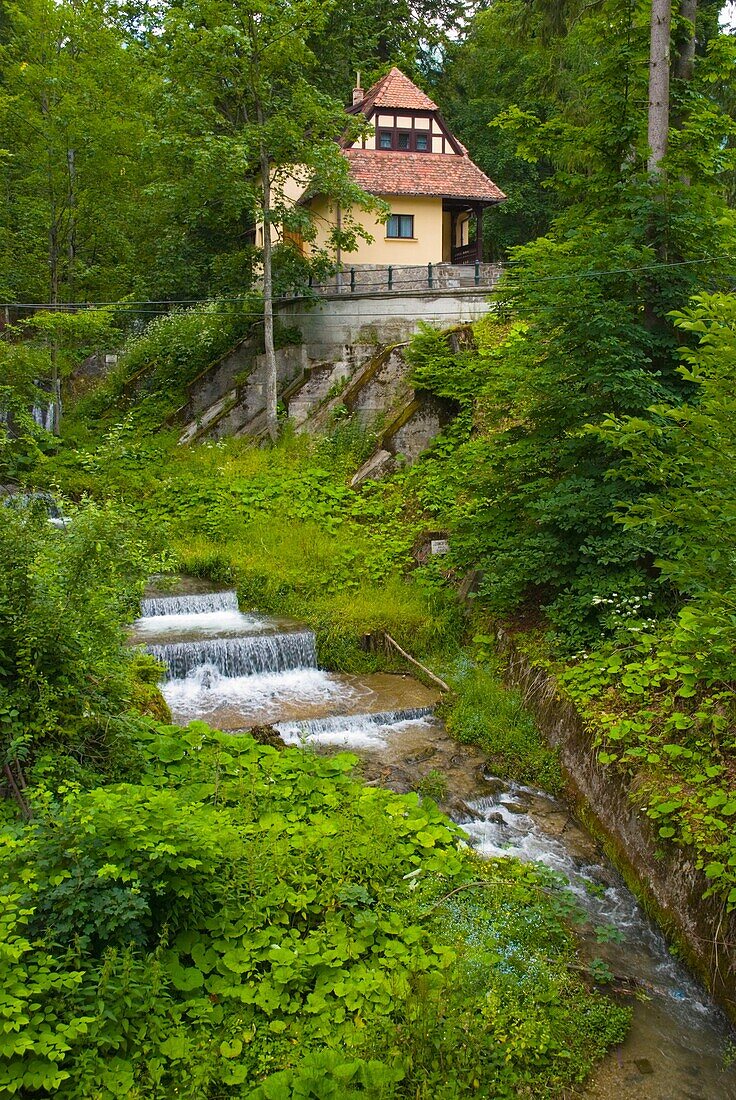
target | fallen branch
[{"x": 435, "y": 679}]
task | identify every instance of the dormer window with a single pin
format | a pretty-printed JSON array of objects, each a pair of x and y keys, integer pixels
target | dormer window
[{"x": 405, "y": 136}]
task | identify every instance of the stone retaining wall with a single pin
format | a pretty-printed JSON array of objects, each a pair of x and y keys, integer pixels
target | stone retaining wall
[{"x": 663, "y": 875}]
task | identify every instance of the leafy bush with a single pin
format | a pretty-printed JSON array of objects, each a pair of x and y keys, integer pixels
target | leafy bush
[
  {"x": 171, "y": 351},
  {"x": 256, "y": 923},
  {"x": 65, "y": 674}
]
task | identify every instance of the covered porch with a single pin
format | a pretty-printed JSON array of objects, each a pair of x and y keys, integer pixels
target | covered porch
[{"x": 462, "y": 231}]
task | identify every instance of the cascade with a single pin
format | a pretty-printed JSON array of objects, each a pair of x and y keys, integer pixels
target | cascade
[
  {"x": 239, "y": 656},
  {"x": 350, "y": 728},
  {"x": 203, "y": 602},
  {"x": 43, "y": 415},
  {"x": 273, "y": 677}
]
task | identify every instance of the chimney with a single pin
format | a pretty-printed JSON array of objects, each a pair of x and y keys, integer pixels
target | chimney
[{"x": 357, "y": 92}]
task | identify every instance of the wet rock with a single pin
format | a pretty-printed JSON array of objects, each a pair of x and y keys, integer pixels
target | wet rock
[
  {"x": 387, "y": 775},
  {"x": 496, "y": 819},
  {"x": 553, "y": 819},
  {"x": 515, "y": 808},
  {"x": 491, "y": 783},
  {"x": 420, "y": 757},
  {"x": 644, "y": 1065},
  {"x": 601, "y": 876},
  {"x": 459, "y": 810}
]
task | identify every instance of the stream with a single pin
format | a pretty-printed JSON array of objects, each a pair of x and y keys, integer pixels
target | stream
[{"x": 235, "y": 670}]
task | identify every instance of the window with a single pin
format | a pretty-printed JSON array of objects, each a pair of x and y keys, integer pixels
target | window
[
  {"x": 406, "y": 141},
  {"x": 400, "y": 225}
]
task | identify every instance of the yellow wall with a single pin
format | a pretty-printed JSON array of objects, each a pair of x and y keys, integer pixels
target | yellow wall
[{"x": 426, "y": 247}]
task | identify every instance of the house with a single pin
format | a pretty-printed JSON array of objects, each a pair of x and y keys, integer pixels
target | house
[{"x": 415, "y": 164}]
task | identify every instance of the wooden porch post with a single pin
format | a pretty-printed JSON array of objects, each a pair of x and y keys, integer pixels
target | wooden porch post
[{"x": 479, "y": 233}]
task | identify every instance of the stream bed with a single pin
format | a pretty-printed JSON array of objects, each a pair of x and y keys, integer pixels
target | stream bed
[{"x": 236, "y": 670}]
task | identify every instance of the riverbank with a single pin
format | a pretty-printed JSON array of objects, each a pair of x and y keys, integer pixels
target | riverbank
[{"x": 411, "y": 751}]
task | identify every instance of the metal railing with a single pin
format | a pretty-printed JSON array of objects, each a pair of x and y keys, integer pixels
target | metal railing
[{"x": 379, "y": 278}]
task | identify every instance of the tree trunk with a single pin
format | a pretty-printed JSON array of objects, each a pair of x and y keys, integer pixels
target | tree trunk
[
  {"x": 659, "y": 84},
  {"x": 685, "y": 60},
  {"x": 54, "y": 295},
  {"x": 684, "y": 65},
  {"x": 272, "y": 423},
  {"x": 71, "y": 243}
]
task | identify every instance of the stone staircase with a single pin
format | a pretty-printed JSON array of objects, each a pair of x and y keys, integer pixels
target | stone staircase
[{"x": 374, "y": 386}]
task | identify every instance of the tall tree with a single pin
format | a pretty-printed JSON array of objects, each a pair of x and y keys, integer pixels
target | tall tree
[
  {"x": 595, "y": 336},
  {"x": 244, "y": 67},
  {"x": 659, "y": 83},
  {"x": 72, "y": 117}
]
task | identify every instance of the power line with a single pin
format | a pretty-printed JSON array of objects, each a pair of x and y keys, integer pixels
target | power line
[{"x": 128, "y": 306}]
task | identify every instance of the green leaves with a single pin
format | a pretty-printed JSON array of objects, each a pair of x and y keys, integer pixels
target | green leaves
[{"x": 282, "y": 936}]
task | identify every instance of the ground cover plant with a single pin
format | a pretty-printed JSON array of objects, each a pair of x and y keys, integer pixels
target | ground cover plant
[{"x": 233, "y": 915}]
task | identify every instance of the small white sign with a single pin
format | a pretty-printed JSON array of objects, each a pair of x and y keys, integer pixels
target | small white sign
[{"x": 439, "y": 546}]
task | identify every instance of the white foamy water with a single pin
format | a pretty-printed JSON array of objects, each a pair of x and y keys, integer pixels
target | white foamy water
[
  {"x": 190, "y": 603},
  {"x": 207, "y": 624},
  {"x": 205, "y": 691},
  {"x": 358, "y": 731},
  {"x": 501, "y": 830},
  {"x": 252, "y": 655}
]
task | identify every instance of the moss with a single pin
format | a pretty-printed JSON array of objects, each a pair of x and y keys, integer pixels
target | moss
[{"x": 148, "y": 700}]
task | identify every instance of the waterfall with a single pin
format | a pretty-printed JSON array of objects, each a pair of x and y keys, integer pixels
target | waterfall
[
  {"x": 43, "y": 415},
  {"x": 233, "y": 657},
  {"x": 352, "y": 723},
  {"x": 187, "y": 605}
]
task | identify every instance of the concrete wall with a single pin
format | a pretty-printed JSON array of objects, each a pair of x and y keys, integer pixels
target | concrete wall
[
  {"x": 665, "y": 875},
  {"x": 336, "y": 321}
]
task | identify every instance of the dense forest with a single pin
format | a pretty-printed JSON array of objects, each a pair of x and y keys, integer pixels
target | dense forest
[{"x": 188, "y": 913}]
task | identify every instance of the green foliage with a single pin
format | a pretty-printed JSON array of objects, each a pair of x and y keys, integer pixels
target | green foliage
[
  {"x": 73, "y": 110},
  {"x": 65, "y": 675},
  {"x": 661, "y": 692},
  {"x": 171, "y": 351},
  {"x": 505, "y": 60},
  {"x": 433, "y": 785},
  {"x": 246, "y": 919},
  {"x": 686, "y": 453},
  {"x": 484, "y": 712}
]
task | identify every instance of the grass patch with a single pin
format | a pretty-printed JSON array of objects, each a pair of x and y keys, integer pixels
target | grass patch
[{"x": 484, "y": 712}]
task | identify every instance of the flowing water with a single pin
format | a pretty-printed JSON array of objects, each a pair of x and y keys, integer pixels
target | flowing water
[{"x": 236, "y": 670}]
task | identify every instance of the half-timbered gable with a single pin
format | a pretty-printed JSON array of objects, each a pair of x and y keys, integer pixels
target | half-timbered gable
[{"x": 411, "y": 159}]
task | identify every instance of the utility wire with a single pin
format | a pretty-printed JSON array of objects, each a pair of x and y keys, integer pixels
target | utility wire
[{"x": 129, "y": 306}]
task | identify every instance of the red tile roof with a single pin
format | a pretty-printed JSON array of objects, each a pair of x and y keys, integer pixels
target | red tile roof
[
  {"x": 444, "y": 175},
  {"x": 395, "y": 90}
]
